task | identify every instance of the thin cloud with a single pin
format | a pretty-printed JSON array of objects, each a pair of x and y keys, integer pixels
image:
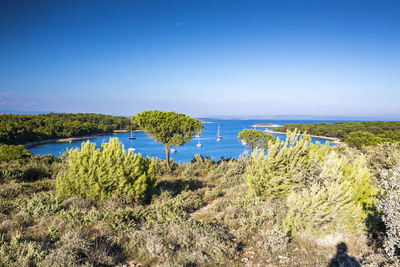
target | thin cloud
[
  {"x": 29, "y": 104},
  {"x": 3, "y": 98}
]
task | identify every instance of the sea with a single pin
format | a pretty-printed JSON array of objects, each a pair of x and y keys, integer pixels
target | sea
[{"x": 229, "y": 147}]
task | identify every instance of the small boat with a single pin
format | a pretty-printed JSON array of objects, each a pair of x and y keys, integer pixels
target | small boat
[
  {"x": 132, "y": 137},
  {"x": 198, "y": 142},
  {"x": 219, "y": 138},
  {"x": 173, "y": 150},
  {"x": 244, "y": 142},
  {"x": 131, "y": 149}
]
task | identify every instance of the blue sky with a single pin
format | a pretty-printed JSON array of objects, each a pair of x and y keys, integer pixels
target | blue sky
[{"x": 203, "y": 58}]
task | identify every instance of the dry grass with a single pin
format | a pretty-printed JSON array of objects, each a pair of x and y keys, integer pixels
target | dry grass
[{"x": 200, "y": 214}]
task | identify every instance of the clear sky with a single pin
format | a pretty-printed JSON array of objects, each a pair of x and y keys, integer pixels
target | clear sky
[{"x": 203, "y": 58}]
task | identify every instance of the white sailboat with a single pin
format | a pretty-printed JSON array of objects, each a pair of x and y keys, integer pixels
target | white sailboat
[
  {"x": 173, "y": 150},
  {"x": 132, "y": 137},
  {"x": 243, "y": 141},
  {"x": 219, "y": 138},
  {"x": 198, "y": 142}
]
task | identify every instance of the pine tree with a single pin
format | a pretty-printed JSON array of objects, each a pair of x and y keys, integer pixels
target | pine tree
[{"x": 99, "y": 173}]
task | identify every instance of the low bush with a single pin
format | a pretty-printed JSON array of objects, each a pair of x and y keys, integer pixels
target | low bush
[
  {"x": 183, "y": 242},
  {"x": 19, "y": 252},
  {"x": 384, "y": 156},
  {"x": 41, "y": 204},
  {"x": 30, "y": 170},
  {"x": 271, "y": 241},
  {"x": 199, "y": 167},
  {"x": 97, "y": 174},
  {"x": 167, "y": 208},
  {"x": 391, "y": 212},
  {"x": 14, "y": 190},
  {"x": 75, "y": 249},
  {"x": 13, "y": 152}
]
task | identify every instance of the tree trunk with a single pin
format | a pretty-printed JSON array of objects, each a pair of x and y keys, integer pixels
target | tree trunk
[{"x": 167, "y": 155}]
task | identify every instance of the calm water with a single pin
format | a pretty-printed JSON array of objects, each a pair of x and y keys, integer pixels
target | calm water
[{"x": 228, "y": 147}]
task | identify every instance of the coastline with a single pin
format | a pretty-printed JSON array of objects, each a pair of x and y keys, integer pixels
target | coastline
[
  {"x": 266, "y": 125},
  {"x": 74, "y": 138},
  {"x": 333, "y": 139}
]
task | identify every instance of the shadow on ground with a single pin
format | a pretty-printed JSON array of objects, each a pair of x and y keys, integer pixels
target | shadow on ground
[{"x": 341, "y": 259}]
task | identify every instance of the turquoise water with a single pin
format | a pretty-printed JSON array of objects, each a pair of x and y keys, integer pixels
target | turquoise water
[{"x": 228, "y": 147}]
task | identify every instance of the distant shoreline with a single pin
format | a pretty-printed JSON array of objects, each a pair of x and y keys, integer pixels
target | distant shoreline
[
  {"x": 269, "y": 125},
  {"x": 75, "y": 138},
  {"x": 333, "y": 139}
]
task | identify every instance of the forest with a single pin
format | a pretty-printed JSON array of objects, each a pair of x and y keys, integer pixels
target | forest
[{"x": 20, "y": 129}]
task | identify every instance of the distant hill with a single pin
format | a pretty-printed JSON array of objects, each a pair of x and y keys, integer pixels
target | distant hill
[{"x": 19, "y": 112}]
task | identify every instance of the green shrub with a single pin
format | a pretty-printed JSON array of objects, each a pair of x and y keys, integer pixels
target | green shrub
[
  {"x": 75, "y": 216},
  {"x": 199, "y": 166},
  {"x": 13, "y": 152},
  {"x": 325, "y": 191},
  {"x": 339, "y": 199},
  {"x": 277, "y": 173},
  {"x": 320, "y": 210},
  {"x": 166, "y": 208},
  {"x": 162, "y": 168},
  {"x": 7, "y": 205},
  {"x": 97, "y": 174},
  {"x": 41, "y": 204},
  {"x": 19, "y": 252},
  {"x": 271, "y": 241}
]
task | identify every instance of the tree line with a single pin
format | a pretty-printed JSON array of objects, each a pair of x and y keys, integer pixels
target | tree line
[
  {"x": 353, "y": 133},
  {"x": 19, "y": 129}
]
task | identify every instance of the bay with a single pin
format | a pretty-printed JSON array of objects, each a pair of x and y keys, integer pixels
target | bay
[{"x": 228, "y": 147}]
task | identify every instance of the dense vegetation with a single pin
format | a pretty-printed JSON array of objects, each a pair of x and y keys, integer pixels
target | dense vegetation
[
  {"x": 290, "y": 207},
  {"x": 100, "y": 173},
  {"x": 353, "y": 133},
  {"x": 19, "y": 129}
]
